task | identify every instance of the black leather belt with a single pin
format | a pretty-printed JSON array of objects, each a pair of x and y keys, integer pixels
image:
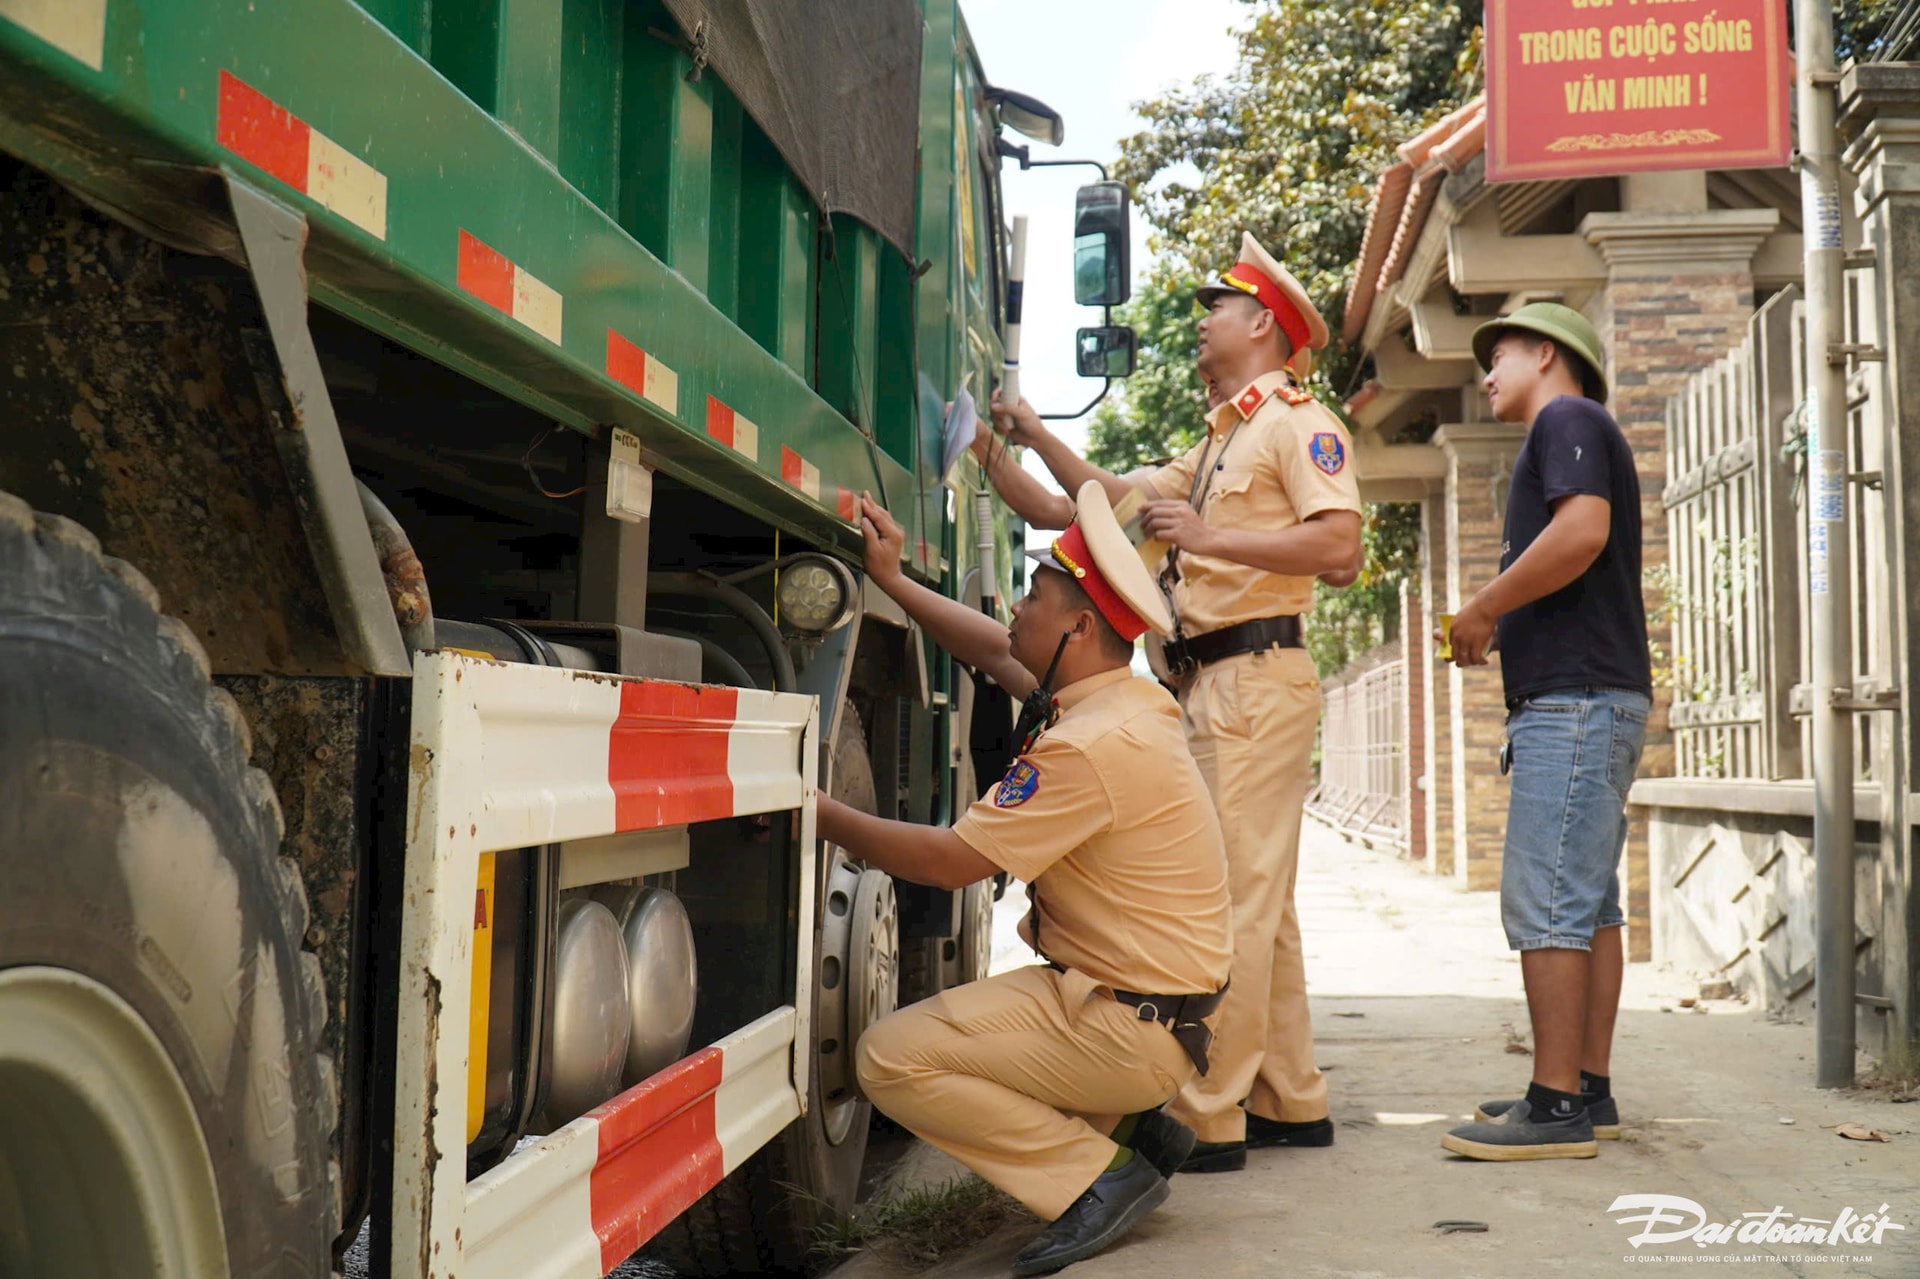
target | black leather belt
[
  {"x": 1187, "y": 655},
  {"x": 1180, "y": 1014}
]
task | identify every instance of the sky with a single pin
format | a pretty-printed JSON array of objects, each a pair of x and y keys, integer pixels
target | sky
[{"x": 1090, "y": 60}]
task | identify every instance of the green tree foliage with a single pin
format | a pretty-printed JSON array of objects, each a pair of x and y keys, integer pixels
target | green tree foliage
[
  {"x": 1287, "y": 145},
  {"x": 1864, "y": 29},
  {"x": 1346, "y": 623}
]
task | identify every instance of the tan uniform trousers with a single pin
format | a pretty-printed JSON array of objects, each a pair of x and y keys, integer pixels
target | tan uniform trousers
[
  {"x": 1020, "y": 1077},
  {"x": 1250, "y": 723}
]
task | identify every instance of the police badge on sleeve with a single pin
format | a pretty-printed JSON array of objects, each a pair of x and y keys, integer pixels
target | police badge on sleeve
[
  {"x": 1327, "y": 452},
  {"x": 1018, "y": 786}
]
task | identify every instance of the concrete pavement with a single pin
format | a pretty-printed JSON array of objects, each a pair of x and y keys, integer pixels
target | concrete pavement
[{"x": 1418, "y": 1016}]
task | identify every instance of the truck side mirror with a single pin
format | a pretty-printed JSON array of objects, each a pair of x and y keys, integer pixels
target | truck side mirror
[
  {"x": 1102, "y": 244},
  {"x": 1107, "y": 350}
]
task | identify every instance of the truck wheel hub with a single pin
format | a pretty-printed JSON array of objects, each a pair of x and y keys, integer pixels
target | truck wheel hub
[{"x": 859, "y": 978}]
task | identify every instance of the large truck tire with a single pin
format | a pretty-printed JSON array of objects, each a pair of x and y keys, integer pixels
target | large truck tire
[
  {"x": 767, "y": 1216},
  {"x": 165, "y": 1106}
]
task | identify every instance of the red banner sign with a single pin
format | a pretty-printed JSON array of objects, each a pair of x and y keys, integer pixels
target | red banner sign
[{"x": 1591, "y": 88}]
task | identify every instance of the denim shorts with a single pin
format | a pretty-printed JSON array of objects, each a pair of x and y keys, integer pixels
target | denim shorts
[{"x": 1574, "y": 756}]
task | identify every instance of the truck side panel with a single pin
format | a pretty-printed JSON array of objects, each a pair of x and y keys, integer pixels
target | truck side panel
[{"x": 440, "y": 227}]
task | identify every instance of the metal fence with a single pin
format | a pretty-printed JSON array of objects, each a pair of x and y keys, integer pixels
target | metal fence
[
  {"x": 1735, "y": 581},
  {"x": 1363, "y": 757}
]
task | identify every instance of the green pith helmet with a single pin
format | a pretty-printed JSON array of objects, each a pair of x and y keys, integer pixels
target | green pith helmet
[{"x": 1565, "y": 326}]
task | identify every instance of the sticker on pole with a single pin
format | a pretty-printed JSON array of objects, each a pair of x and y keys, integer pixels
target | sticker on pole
[
  {"x": 1820, "y": 210},
  {"x": 1817, "y": 556},
  {"x": 1829, "y": 486}
]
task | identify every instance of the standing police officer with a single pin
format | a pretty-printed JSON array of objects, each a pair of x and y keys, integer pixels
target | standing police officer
[
  {"x": 1254, "y": 512},
  {"x": 1023, "y": 1076}
]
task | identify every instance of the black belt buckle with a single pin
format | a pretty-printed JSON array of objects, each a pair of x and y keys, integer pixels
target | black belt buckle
[{"x": 1180, "y": 663}]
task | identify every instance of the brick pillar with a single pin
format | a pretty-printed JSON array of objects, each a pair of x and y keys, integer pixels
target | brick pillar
[
  {"x": 1413, "y": 716},
  {"x": 1679, "y": 295},
  {"x": 1437, "y": 689},
  {"x": 1479, "y": 473}
]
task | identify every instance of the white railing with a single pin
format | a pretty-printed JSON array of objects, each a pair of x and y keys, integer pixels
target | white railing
[
  {"x": 1735, "y": 583},
  {"x": 1363, "y": 758}
]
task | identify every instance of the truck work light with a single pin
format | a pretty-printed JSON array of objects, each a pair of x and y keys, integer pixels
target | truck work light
[{"x": 814, "y": 594}]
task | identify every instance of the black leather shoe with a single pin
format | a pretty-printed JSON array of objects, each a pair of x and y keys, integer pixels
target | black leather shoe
[
  {"x": 1111, "y": 1206},
  {"x": 1264, "y": 1134},
  {"x": 1216, "y": 1156},
  {"x": 1162, "y": 1141}
]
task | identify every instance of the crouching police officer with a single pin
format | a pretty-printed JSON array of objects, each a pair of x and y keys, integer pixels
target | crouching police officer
[{"x": 1023, "y": 1076}]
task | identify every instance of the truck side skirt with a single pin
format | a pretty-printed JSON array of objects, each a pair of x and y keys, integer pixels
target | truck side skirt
[{"x": 508, "y": 756}]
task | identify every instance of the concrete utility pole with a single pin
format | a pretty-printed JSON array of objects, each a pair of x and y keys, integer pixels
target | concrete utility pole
[{"x": 1829, "y": 546}]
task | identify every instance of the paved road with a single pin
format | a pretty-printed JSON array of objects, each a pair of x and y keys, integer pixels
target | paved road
[
  {"x": 1413, "y": 994},
  {"x": 1416, "y": 1001}
]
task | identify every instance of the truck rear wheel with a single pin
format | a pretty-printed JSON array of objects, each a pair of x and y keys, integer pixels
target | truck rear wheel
[{"x": 164, "y": 1103}]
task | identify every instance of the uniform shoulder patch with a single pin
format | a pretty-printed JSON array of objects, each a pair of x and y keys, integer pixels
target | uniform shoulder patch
[
  {"x": 1327, "y": 452},
  {"x": 1020, "y": 784},
  {"x": 1296, "y": 396}
]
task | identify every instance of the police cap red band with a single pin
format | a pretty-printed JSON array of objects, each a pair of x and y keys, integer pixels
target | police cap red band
[
  {"x": 1071, "y": 553},
  {"x": 1253, "y": 281}
]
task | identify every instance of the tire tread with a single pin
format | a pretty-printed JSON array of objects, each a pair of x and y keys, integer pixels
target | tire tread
[{"x": 68, "y": 552}]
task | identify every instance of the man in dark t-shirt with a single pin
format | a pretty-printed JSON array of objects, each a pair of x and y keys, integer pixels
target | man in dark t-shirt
[{"x": 1571, "y": 628}]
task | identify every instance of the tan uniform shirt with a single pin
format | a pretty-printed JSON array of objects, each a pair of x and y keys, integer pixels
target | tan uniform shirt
[
  {"x": 1276, "y": 458},
  {"x": 1109, "y": 819}
]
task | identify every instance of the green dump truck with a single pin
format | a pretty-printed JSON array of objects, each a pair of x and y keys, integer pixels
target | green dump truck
[{"x": 430, "y": 601}]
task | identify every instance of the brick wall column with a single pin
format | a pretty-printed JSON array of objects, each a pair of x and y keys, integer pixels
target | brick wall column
[
  {"x": 1413, "y": 716},
  {"x": 1679, "y": 295},
  {"x": 1479, "y": 474},
  {"x": 1436, "y": 782}
]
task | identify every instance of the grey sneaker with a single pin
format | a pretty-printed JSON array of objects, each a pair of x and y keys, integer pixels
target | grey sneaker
[
  {"x": 1605, "y": 1114},
  {"x": 1518, "y": 1135}
]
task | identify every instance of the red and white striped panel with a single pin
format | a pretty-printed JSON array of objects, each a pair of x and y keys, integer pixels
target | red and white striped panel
[
  {"x": 581, "y": 1201},
  {"x": 508, "y": 287},
  {"x": 734, "y": 429},
  {"x": 799, "y": 473},
  {"x": 264, "y": 133},
  {"x": 642, "y": 373},
  {"x": 507, "y": 756}
]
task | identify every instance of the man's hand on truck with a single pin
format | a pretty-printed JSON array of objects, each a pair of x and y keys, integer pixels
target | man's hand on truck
[
  {"x": 886, "y": 542},
  {"x": 970, "y": 635}
]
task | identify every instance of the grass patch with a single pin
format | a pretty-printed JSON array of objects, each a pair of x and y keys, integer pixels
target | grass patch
[
  {"x": 1896, "y": 1076},
  {"x": 920, "y": 1225}
]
